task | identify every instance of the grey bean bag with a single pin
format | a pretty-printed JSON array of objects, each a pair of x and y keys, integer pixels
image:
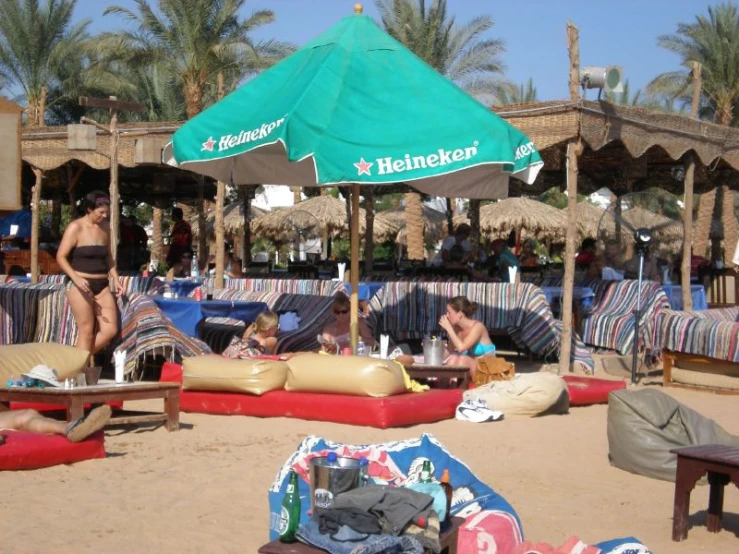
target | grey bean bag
[{"x": 644, "y": 425}]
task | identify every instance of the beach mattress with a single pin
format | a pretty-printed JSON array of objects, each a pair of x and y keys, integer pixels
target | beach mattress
[
  {"x": 24, "y": 450},
  {"x": 585, "y": 391},
  {"x": 392, "y": 411}
]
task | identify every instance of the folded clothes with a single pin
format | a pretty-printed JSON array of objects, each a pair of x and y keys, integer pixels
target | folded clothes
[
  {"x": 357, "y": 543},
  {"x": 330, "y": 520}
]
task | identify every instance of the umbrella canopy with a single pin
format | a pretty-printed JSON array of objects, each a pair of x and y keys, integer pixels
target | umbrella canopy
[
  {"x": 532, "y": 218},
  {"x": 588, "y": 218},
  {"x": 233, "y": 218},
  {"x": 355, "y": 106},
  {"x": 390, "y": 225}
]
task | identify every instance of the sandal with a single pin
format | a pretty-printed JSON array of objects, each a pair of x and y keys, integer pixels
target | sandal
[{"x": 84, "y": 427}]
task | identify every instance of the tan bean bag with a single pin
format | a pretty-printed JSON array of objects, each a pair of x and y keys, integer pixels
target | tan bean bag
[
  {"x": 20, "y": 358},
  {"x": 529, "y": 394},
  {"x": 354, "y": 375},
  {"x": 212, "y": 372}
]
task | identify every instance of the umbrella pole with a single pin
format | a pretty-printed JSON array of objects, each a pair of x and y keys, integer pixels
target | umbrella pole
[{"x": 354, "y": 269}]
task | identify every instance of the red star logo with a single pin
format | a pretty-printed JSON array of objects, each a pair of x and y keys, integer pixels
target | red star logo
[
  {"x": 208, "y": 145},
  {"x": 363, "y": 168}
]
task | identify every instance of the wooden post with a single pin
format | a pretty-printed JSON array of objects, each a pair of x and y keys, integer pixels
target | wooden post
[
  {"x": 688, "y": 197},
  {"x": 354, "y": 275},
  {"x": 574, "y": 149},
  {"x": 156, "y": 234},
  {"x": 114, "y": 194},
  {"x": 369, "y": 228},
  {"x": 35, "y": 205},
  {"x": 202, "y": 234},
  {"x": 220, "y": 198}
]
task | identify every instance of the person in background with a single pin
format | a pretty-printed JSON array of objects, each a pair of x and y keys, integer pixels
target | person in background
[
  {"x": 461, "y": 238},
  {"x": 85, "y": 255},
  {"x": 181, "y": 237},
  {"x": 504, "y": 257},
  {"x": 586, "y": 256},
  {"x": 527, "y": 257},
  {"x": 468, "y": 338},
  {"x": 33, "y": 422},
  {"x": 183, "y": 268},
  {"x": 336, "y": 334}
]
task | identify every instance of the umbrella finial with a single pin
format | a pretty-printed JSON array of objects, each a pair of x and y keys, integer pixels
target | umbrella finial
[{"x": 358, "y": 8}]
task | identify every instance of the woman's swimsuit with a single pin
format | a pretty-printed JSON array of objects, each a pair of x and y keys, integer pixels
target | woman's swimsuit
[
  {"x": 480, "y": 350},
  {"x": 92, "y": 259}
]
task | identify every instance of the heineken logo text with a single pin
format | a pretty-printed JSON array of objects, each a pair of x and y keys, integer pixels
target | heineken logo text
[
  {"x": 525, "y": 150},
  {"x": 440, "y": 158},
  {"x": 229, "y": 141}
]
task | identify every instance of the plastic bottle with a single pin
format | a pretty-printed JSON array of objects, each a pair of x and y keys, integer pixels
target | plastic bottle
[
  {"x": 448, "y": 490},
  {"x": 290, "y": 512},
  {"x": 361, "y": 350},
  {"x": 194, "y": 267},
  {"x": 426, "y": 472}
]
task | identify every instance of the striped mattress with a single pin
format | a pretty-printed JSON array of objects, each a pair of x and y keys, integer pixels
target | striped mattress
[{"x": 710, "y": 333}]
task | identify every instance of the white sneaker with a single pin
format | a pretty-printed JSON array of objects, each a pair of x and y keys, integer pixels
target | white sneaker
[{"x": 477, "y": 411}]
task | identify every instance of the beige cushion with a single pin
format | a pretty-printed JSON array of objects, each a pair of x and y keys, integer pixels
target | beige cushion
[
  {"x": 528, "y": 394},
  {"x": 212, "y": 372},
  {"x": 356, "y": 375},
  {"x": 20, "y": 358}
]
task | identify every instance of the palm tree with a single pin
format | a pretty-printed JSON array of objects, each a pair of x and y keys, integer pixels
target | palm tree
[
  {"x": 712, "y": 41},
  {"x": 36, "y": 44},
  {"x": 518, "y": 94},
  {"x": 458, "y": 52},
  {"x": 194, "y": 41}
]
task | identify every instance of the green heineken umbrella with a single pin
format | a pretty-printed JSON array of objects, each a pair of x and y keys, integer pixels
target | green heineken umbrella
[{"x": 355, "y": 106}]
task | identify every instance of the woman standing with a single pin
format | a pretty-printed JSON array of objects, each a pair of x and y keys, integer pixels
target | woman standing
[
  {"x": 468, "y": 338},
  {"x": 85, "y": 256}
]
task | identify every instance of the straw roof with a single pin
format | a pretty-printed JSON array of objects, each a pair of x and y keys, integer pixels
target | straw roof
[
  {"x": 390, "y": 225},
  {"x": 533, "y": 218},
  {"x": 588, "y": 218},
  {"x": 233, "y": 218}
]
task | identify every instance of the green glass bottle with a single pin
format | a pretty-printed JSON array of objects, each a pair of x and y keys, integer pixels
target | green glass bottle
[
  {"x": 426, "y": 472},
  {"x": 290, "y": 513}
]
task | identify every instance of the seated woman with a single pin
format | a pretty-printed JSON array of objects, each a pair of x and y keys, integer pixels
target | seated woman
[
  {"x": 258, "y": 339},
  {"x": 336, "y": 335},
  {"x": 527, "y": 257},
  {"x": 181, "y": 269},
  {"x": 468, "y": 338}
]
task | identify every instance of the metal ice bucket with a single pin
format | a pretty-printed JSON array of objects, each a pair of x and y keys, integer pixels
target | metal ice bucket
[
  {"x": 330, "y": 477},
  {"x": 433, "y": 351}
]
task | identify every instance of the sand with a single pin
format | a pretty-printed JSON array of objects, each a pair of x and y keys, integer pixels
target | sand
[{"x": 204, "y": 488}]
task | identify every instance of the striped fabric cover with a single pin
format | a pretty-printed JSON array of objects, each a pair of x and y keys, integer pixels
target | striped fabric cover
[
  {"x": 609, "y": 323},
  {"x": 411, "y": 310},
  {"x": 58, "y": 279},
  {"x": 55, "y": 322},
  {"x": 18, "y": 310},
  {"x": 710, "y": 333},
  {"x": 316, "y": 287},
  {"x": 314, "y": 312},
  {"x": 145, "y": 330}
]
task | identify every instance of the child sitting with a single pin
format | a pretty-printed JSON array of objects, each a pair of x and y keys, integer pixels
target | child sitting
[{"x": 258, "y": 339}]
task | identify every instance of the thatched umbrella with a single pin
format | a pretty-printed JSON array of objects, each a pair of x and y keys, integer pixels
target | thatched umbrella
[
  {"x": 233, "y": 219},
  {"x": 391, "y": 225},
  {"x": 531, "y": 218},
  {"x": 588, "y": 217}
]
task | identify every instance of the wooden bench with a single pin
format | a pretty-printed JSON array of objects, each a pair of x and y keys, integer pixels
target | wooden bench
[{"x": 722, "y": 465}]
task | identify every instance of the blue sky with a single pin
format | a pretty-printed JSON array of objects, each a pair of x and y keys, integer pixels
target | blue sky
[{"x": 617, "y": 32}]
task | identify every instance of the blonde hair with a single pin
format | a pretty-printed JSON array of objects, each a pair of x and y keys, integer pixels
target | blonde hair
[{"x": 264, "y": 322}]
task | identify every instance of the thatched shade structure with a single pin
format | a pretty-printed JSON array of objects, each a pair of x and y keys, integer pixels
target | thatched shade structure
[
  {"x": 391, "y": 225},
  {"x": 588, "y": 217},
  {"x": 533, "y": 219},
  {"x": 233, "y": 218}
]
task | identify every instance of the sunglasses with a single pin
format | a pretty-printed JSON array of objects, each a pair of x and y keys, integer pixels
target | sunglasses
[{"x": 338, "y": 312}]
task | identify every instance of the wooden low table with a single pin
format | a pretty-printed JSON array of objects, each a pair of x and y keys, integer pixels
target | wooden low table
[
  {"x": 722, "y": 465},
  {"x": 447, "y": 539},
  {"x": 75, "y": 400},
  {"x": 443, "y": 373}
]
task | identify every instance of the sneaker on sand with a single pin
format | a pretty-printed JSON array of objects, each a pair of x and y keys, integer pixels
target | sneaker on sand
[
  {"x": 476, "y": 411},
  {"x": 84, "y": 427}
]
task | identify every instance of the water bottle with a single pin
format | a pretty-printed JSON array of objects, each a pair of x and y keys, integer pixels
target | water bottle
[
  {"x": 361, "y": 350},
  {"x": 194, "y": 267}
]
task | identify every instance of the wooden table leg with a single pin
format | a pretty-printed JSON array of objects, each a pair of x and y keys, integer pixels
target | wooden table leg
[
  {"x": 4, "y": 406},
  {"x": 686, "y": 477},
  {"x": 716, "y": 500},
  {"x": 76, "y": 408},
  {"x": 172, "y": 409}
]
